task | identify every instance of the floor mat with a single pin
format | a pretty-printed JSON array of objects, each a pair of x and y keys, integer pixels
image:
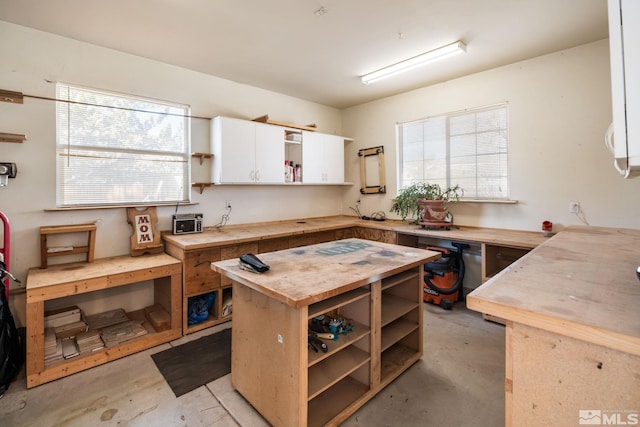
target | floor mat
[{"x": 190, "y": 365}]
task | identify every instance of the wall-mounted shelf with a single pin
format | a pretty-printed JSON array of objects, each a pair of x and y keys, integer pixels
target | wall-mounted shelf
[
  {"x": 201, "y": 185},
  {"x": 12, "y": 137},
  {"x": 202, "y": 156}
]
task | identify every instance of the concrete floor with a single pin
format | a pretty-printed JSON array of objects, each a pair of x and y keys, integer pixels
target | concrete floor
[{"x": 458, "y": 382}]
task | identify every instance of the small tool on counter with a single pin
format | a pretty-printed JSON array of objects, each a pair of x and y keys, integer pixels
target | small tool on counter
[{"x": 252, "y": 263}]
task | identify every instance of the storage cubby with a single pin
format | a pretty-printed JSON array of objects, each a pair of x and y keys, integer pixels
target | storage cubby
[
  {"x": 497, "y": 258},
  {"x": 347, "y": 363}
]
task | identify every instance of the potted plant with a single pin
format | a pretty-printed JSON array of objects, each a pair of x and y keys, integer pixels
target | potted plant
[{"x": 427, "y": 203}]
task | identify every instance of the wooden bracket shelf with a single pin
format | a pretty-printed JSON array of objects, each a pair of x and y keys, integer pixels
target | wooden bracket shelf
[
  {"x": 201, "y": 185},
  {"x": 202, "y": 156}
]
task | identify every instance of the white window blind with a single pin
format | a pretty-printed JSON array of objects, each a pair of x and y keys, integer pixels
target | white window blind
[
  {"x": 114, "y": 149},
  {"x": 469, "y": 149}
]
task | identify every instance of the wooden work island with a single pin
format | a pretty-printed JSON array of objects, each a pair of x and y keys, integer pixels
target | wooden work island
[
  {"x": 572, "y": 308},
  {"x": 376, "y": 286}
]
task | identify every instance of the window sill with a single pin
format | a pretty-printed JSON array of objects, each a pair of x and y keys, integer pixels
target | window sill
[
  {"x": 499, "y": 201},
  {"x": 89, "y": 208}
]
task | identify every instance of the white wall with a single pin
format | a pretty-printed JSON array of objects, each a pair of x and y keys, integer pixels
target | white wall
[
  {"x": 559, "y": 110},
  {"x": 31, "y": 60}
]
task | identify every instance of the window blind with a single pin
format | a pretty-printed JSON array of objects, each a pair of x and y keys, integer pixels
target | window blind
[
  {"x": 468, "y": 148},
  {"x": 114, "y": 149}
]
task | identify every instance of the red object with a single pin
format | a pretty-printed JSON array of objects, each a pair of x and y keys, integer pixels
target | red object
[
  {"x": 443, "y": 275},
  {"x": 547, "y": 225},
  {"x": 5, "y": 249}
]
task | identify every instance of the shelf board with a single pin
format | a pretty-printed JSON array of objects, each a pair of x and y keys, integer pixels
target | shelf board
[
  {"x": 394, "y": 307},
  {"x": 201, "y": 185},
  {"x": 337, "y": 301},
  {"x": 359, "y": 331},
  {"x": 331, "y": 370},
  {"x": 396, "y": 359},
  {"x": 201, "y": 156},
  {"x": 399, "y": 278},
  {"x": 395, "y": 331},
  {"x": 342, "y": 395}
]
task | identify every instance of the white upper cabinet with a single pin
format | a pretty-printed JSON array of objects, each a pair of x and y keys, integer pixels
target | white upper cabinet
[
  {"x": 269, "y": 151},
  {"x": 246, "y": 152},
  {"x": 322, "y": 158}
]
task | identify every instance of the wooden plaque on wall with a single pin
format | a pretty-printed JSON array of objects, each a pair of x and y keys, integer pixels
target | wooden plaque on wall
[{"x": 145, "y": 238}]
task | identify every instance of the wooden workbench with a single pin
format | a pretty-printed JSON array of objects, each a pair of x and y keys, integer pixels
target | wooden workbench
[
  {"x": 499, "y": 248},
  {"x": 572, "y": 307},
  {"x": 67, "y": 280},
  {"x": 377, "y": 286}
]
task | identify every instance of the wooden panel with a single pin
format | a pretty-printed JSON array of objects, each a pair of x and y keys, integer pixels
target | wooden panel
[
  {"x": 229, "y": 252},
  {"x": 344, "y": 233},
  {"x": 378, "y": 235},
  {"x": 278, "y": 333},
  {"x": 272, "y": 245},
  {"x": 555, "y": 377},
  {"x": 311, "y": 238},
  {"x": 198, "y": 275}
]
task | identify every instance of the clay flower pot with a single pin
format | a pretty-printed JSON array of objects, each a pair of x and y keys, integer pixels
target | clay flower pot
[{"x": 433, "y": 212}]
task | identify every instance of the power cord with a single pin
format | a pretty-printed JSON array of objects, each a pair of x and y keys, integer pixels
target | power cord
[{"x": 224, "y": 219}]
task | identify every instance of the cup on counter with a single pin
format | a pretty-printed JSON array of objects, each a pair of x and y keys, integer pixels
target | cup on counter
[{"x": 547, "y": 226}]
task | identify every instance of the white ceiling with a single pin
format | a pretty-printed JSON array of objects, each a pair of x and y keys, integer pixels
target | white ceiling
[{"x": 287, "y": 47}]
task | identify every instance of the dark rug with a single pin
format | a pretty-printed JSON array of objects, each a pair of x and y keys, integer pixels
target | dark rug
[{"x": 190, "y": 365}]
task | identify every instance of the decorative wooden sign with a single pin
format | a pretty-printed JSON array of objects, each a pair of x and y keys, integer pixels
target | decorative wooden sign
[{"x": 145, "y": 239}]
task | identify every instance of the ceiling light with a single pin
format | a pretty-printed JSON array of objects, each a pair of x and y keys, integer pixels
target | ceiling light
[{"x": 416, "y": 61}]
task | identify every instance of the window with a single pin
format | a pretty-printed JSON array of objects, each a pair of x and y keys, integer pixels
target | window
[
  {"x": 466, "y": 148},
  {"x": 115, "y": 150}
]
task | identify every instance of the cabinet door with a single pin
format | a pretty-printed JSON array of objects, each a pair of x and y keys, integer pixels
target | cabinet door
[
  {"x": 233, "y": 143},
  {"x": 322, "y": 158},
  {"x": 269, "y": 154}
]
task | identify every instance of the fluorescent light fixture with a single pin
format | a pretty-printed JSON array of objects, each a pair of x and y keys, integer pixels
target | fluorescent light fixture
[{"x": 416, "y": 61}]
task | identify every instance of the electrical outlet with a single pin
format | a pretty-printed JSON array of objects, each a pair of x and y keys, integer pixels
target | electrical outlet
[
  {"x": 228, "y": 204},
  {"x": 574, "y": 207}
]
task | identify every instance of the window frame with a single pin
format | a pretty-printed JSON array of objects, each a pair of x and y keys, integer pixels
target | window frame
[
  {"x": 448, "y": 116},
  {"x": 176, "y": 151}
]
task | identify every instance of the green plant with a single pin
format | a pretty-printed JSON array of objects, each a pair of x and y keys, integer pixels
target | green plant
[{"x": 407, "y": 202}]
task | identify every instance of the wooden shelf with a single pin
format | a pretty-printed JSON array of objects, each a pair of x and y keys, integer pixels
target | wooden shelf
[
  {"x": 359, "y": 331},
  {"x": 202, "y": 156},
  {"x": 395, "y": 331},
  {"x": 405, "y": 276},
  {"x": 394, "y": 307},
  {"x": 328, "y": 372},
  {"x": 201, "y": 185},
  {"x": 324, "y": 407},
  {"x": 46, "y": 252},
  {"x": 332, "y": 303}
]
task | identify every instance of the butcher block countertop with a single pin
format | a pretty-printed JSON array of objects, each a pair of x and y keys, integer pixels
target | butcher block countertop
[
  {"x": 301, "y": 276},
  {"x": 581, "y": 283},
  {"x": 242, "y": 233}
]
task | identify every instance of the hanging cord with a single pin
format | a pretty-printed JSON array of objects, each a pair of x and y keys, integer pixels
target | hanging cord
[
  {"x": 223, "y": 219},
  {"x": 46, "y": 98}
]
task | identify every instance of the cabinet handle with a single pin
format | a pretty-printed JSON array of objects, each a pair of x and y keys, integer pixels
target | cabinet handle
[
  {"x": 252, "y": 175},
  {"x": 257, "y": 175}
]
